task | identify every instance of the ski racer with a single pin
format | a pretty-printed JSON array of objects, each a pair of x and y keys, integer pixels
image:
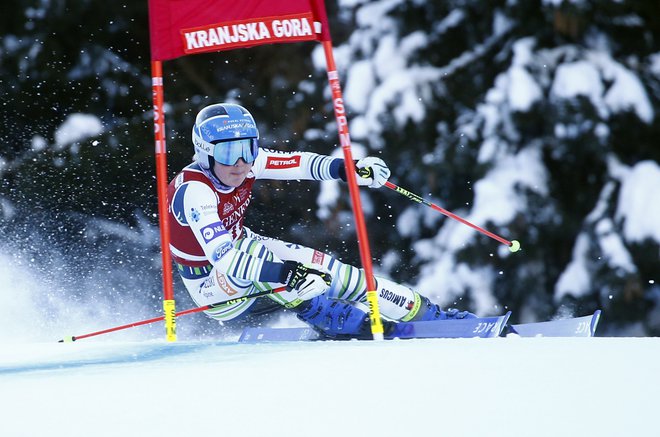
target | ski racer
[{"x": 218, "y": 258}]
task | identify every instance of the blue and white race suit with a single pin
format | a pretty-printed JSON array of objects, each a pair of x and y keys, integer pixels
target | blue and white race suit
[{"x": 218, "y": 258}]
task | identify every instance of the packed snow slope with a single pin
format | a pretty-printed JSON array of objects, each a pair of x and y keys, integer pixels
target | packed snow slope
[{"x": 468, "y": 387}]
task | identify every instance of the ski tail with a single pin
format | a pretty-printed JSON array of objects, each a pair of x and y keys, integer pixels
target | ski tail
[{"x": 574, "y": 327}]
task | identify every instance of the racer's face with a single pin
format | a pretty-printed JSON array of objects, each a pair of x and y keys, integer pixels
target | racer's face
[{"x": 232, "y": 175}]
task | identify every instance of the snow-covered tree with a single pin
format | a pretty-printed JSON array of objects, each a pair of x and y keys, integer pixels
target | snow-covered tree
[{"x": 536, "y": 120}]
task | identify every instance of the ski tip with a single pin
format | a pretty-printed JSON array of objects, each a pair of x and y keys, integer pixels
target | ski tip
[
  {"x": 68, "y": 339},
  {"x": 594, "y": 322}
]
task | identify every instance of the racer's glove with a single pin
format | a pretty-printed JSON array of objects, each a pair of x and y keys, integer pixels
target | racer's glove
[
  {"x": 308, "y": 281},
  {"x": 372, "y": 172}
]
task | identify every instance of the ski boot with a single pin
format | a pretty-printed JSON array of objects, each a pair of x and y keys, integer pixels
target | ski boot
[
  {"x": 335, "y": 319},
  {"x": 430, "y": 311}
]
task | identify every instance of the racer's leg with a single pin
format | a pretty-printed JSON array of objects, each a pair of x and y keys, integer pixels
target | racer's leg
[
  {"x": 396, "y": 301},
  {"x": 209, "y": 285}
]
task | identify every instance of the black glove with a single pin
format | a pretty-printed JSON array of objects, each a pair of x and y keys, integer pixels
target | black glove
[{"x": 307, "y": 281}]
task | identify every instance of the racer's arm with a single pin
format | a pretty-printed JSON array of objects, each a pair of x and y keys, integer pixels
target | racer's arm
[{"x": 271, "y": 164}]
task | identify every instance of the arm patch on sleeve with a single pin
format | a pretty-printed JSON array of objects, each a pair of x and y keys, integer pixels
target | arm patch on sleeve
[
  {"x": 213, "y": 231},
  {"x": 276, "y": 162}
]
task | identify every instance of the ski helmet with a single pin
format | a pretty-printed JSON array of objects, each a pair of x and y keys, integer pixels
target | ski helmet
[{"x": 224, "y": 132}]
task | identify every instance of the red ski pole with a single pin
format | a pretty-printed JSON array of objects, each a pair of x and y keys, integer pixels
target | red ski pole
[
  {"x": 180, "y": 313},
  {"x": 514, "y": 245}
]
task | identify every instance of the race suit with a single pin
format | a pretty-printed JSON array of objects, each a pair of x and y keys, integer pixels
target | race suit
[{"x": 219, "y": 258}]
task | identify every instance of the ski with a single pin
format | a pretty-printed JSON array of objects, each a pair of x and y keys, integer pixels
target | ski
[
  {"x": 482, "y": 327},
  {"x": 574, "y": 327}
]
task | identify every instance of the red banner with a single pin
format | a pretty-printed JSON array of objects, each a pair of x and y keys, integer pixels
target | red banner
[{"x": 182, "y": 27}]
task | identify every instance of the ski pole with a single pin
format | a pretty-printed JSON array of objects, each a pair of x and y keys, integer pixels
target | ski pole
[
  {"x": 514, "y": 245},
  {"x": 180, "y": 313}
]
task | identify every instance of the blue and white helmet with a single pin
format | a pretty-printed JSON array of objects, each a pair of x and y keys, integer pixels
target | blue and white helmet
[{"x": 223, "y": 133}]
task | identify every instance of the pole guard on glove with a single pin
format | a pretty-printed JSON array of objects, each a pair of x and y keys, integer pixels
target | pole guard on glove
[
  {"x": 372, "y": 172},
  {"x": 308, "y": 281}
]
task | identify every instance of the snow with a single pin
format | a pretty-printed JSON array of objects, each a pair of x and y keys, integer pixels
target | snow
[
  {"x": 575, "y": 279},
  {"x": 373, "y": 16},
  {"x": 132, "y": 382},
  {"x": 559, "y": 2},
  {"x": 638, "y": 207},
  {"x": 638, "y": 213},
  {"x": 18, "y": 307},
  {"x": 399, "y": 95},
  {"x": 587, "y": 77},
  {"x": 77, "y": 127},
  {"x": 359, "y": 85},
  {"x": 613, "y": 247},
  {"x": 387, "y": 59},
  {"x": 579, "y": 78},
  {"x": 39, "y": 143},
  {"x": 654, "y": 61},
  {"x": 455, "y": 18},
  {"x": 497, "y": 200},
  {"x": 497, "y": 195},
  {"x": 523, "y": 91},
  {"x": 406, "y": 222},
  {"x": 497, "y": 387},
  {"x": 626, "y": 91}
]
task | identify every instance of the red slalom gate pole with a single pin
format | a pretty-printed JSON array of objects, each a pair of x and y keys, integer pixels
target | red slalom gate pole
[
  {"x": 361, "y": 228},
  {"x": 513, "y": 245},
  {"x": 169, "y": 306},
  {"x": 180, "y": 313}
]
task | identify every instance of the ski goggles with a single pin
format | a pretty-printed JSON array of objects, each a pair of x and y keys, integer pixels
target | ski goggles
[{"x": 228, "y": 152}]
